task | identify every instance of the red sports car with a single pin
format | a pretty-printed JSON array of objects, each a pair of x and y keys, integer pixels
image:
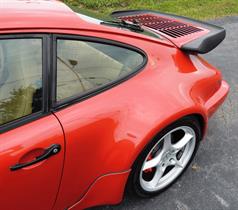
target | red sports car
[{"x": 89, "y": 108}]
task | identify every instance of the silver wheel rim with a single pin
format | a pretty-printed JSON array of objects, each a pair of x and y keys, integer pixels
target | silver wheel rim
[{"x": 167, "y": 159}]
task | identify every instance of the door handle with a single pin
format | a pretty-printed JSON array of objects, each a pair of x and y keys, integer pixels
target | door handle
[{"x": 52, "y": 150}]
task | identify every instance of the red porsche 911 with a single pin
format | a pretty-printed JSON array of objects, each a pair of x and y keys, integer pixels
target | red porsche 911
[{"x": 90, "y": 109}]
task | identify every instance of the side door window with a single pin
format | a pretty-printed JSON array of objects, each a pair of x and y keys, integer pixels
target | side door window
[
  {"x": 20, "y": 78},
  {"x": 85, "y": 66}
]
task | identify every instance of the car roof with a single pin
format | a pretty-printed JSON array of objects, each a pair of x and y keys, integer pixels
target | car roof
[
  {"x": 15, "y": 14},
  {"x": 48, "y": 15}
]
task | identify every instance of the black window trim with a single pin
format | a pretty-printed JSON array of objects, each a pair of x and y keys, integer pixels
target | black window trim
[
  {"x": 45, "y": 80},
  {"x": 80, "y": 97}
]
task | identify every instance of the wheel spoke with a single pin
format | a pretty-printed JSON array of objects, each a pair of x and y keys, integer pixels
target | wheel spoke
[
  {"x": 184, "y": 141},
  {"x": 176, "y": 162},
  {"x": 167, "y": 142},
  {"x": 179, "y": 164},
  {"x": 153, "y": 162},
  {"x": 158, "y": 174}
]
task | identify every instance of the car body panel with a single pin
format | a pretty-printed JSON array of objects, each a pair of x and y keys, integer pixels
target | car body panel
[
  {"x": 217, "y": 99},
  {"x": 113, "y": 188},
  {"x": 36, "y": 186}
]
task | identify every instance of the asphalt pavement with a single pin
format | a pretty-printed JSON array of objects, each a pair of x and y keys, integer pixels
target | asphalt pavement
[{"x": 211, "y": 182}]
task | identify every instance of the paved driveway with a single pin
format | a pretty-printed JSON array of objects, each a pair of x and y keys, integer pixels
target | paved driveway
[{"x": 212, "y": 181}]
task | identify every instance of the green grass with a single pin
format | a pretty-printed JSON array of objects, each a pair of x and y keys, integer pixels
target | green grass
[{"x": 199, "y": 9}]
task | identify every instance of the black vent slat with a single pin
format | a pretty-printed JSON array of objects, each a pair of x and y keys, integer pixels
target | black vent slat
[
  {"x": 169, "y": 27},
  {"x": 184, "y": 31},
  {"x": 171, "y": 33},
  {"x": 178, "y": 31}
]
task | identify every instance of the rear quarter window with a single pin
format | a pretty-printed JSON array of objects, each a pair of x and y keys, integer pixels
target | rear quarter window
[{"x": 84, "y": 66}]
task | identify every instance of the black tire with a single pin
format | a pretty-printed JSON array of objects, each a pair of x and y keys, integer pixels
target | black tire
[{"x": 133, "y": 185}]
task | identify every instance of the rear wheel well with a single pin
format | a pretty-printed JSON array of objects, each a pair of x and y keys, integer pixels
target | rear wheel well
[
  {"x": 201, "y": 121},
  {"x": 196, "y": 120}
]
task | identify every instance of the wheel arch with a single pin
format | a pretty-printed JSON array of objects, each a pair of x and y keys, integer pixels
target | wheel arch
[
  {"x": 201, "y": 118},
  {"x": 202, "y": 122}
]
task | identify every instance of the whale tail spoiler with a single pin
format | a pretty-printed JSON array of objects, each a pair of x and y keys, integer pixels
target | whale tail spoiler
[{"x": 187, "y": 34}]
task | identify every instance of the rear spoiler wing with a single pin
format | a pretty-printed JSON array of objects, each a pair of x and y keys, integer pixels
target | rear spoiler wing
[{"x": 187, "y": 34}]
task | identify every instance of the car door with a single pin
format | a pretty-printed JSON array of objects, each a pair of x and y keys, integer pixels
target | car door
[
  {"x": 86, "y": 66},
  {"x": 31, "y": 139}
]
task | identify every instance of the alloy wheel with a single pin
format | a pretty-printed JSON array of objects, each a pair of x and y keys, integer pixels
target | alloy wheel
[{"x": 167, "y": 159}]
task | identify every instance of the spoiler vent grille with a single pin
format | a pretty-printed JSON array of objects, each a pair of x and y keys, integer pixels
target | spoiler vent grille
[{"x": 167, "y": 26}]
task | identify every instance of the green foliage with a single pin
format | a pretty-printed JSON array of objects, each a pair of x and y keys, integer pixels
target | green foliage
[
  {"x": 200, "y": 9},
  {"x": 96, "y": 4},
  {"x": 11, "y": 108}
]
